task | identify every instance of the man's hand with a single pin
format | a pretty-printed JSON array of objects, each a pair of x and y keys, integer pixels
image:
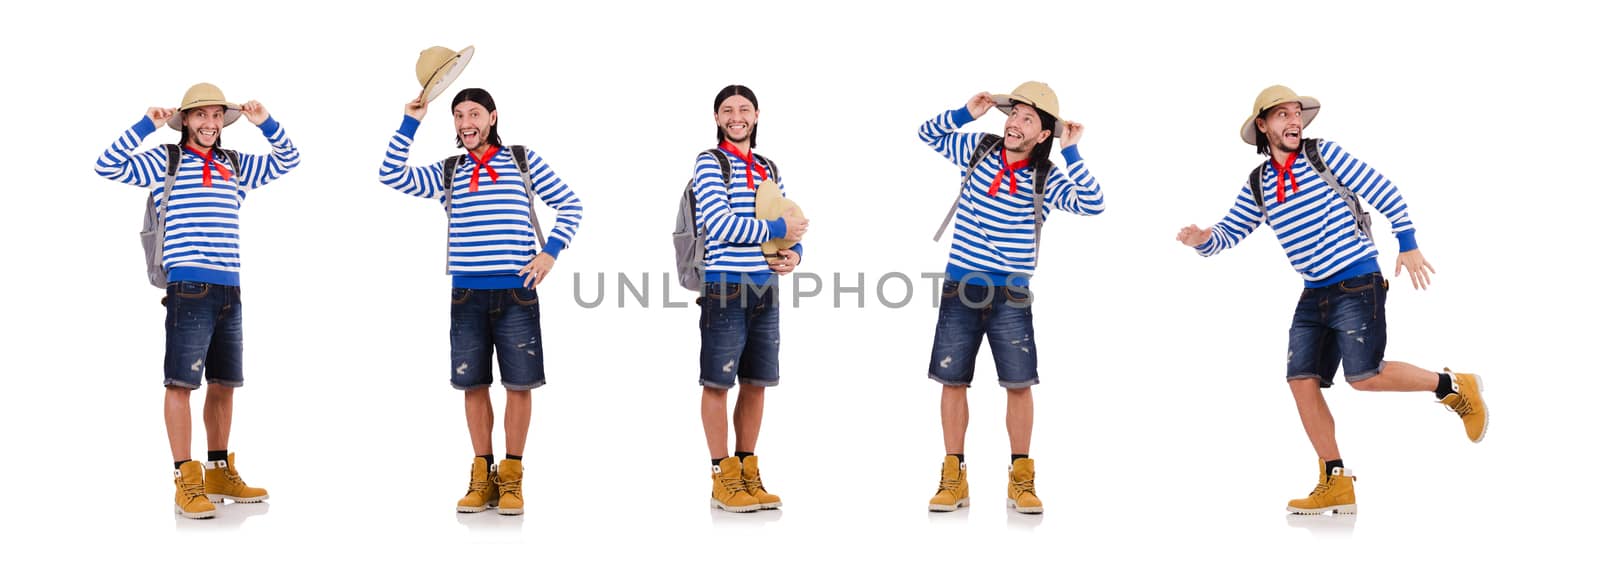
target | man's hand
[
  {"x": 1416, "y": 266},
  {"x": 416, "y": 108},
  {"x": 1193, "y": 236},
  {"x": 160, "y": 115},
  {"x": 785, "y": 263},
  {"x": 980, "y": 104},
  {"x": 1070, "y": 132},
  {"x": 796, "y": 225},
  {"x": 254, "y": 111},
  {"x": 536, "y": 270}
]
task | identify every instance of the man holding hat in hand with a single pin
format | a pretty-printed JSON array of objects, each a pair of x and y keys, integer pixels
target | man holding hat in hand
[
  {"x": 496, "y": 258},
  {"x": 751, "y": 233},
  {"x": 1307, "y": 193},
  {"x": 1009, "y": 188},
  {"x": 198, "y": 187}
]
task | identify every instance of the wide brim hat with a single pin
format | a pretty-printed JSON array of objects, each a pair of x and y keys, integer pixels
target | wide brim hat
[
  {"x": 1273, "y": 97},
  {"x": 1036, "y": 94},
  {"x": 203, "y": 95},
  {"x": 770, "y": 205},
  {"x": 437, "y": 67}
]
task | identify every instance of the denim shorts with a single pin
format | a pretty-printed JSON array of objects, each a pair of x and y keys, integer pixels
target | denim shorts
[
  {"x": 738, "y": 335},
  {"x": 205, "y": 335},
  {"x": 501, "y": 323},
  {"x": 1341, "y": 321},
  {"x": 969, "y": 311}
]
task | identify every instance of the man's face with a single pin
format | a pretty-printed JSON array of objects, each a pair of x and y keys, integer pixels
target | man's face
[
  {"x": 204, "y": 125},
  {"x": 737, "y": 118},
  {"x": 1282, "y": 127},
  {"x": 1023, "y": 130},
  {"x": 472, "y": 124}
]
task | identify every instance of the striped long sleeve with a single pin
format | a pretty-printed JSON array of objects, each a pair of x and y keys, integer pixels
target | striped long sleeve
[
  {"x": 727, "y": 214},
  {"x": 1313, "y": 224},
  {"x": 994, "y": 235},
  {"x": 202, "y": 222},
  {"x": 491, "y": 232}
]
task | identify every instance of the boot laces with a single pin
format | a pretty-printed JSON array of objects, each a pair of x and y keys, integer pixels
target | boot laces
[
  {"x": 1462, "y": 406},
  {"x": 511, "y": 487},
  {"x": 733, "y": 483},
  {"x": 191, "y": 490},
  {"x": 1023, "y": 487},
  {"x": 753, "y": 484}
]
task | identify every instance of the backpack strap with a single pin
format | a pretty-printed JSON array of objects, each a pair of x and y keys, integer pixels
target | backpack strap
[
  {"x": 174, "y": 156},
  {"x": 771, "y": 166},
  {"x": 448, "y": 174},
  {"x": 985, "y": 146},
  {"x": 1041, "y": 179},
  {"x": 1255, "y": 189},
  {"x": 519, "y": 154},
  {"x": 727, "y": 178},
  {"x": 233, "y": 161},
  {"x": 1313, "y": 152}
]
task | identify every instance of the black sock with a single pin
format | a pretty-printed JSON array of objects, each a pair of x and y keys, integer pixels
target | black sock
[
  {"x": 1015, "y": 457},
  {"x": 489, "y": 458},
  {"x": 743, "y": 455},
  {"x": 1334, "y": 463},
  {"x": 215, "y": 455},
  {"x": 718, "y": 461},
  {"x": 178, "y": 464},
  {"x": 959, "y": 457},
  {"x": 1445, "y": 388},
  {"x": 517, "y": 457}
]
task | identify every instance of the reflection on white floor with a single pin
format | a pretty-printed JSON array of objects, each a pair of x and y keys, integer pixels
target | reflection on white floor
[
  {"x": 229, "y": 516},
  {"x": 1022, "y": 521},
  {"x": 490, "y": 521},
  {"x": 1324, "y": 526},
  {"x": 758, "y": 518}
]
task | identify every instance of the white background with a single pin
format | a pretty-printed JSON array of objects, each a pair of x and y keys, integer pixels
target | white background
[{"x": 1164, "y": 432}]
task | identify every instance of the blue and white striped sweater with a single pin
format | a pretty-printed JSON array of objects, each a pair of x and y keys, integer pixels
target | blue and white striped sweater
[
  {"x": 994, "y": 235},
  {"x": 726, "y": 212},
  {"x": 202, "y": 242},
  {"x": 491, "y": 237},
  {"x": 1315, "y": 227}
]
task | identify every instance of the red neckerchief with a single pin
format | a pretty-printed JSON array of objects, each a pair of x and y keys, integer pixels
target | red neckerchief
[
  {"x": 482, "y": 164},
  {"x": 1007, "y": 169},
  {"x": 749, "y": 164},
  {"x": 1286, "y": 170},
  {"x": 210, "y": 163}
]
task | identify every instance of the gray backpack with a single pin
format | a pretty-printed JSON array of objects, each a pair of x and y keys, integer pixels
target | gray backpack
[
  {"x": 1314, "y": 156},
  {"x": 1040, "y": 176},
  {"x": 153, "y": 235},
  {"x": 688, "y": 239},
  {"x": 519, "y": 154}
]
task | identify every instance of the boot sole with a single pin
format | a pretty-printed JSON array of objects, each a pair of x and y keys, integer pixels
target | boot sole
[
  {"x": 1010, "y": 503},
  {"x": 1481, "y": 388},
  {"x": 215, "y": 498},
  {"x": 473, "y": 510},
  {"x": 1339, "y": 509},
  {"x": 961, "y": 503},
  {"x": 772, "y": 506},
  {"x": 734, "y": 509},
  {"x": 199, "y": 515},
  {"x": 509, "y": 511}
]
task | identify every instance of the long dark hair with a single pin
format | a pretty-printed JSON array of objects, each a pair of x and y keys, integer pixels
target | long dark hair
[
  {"x": 1039, "y": 157},
  {"x": 731, "y": 91},
  {"x": 483, "y": 98},
  {"x": 1262, "y": 146}
]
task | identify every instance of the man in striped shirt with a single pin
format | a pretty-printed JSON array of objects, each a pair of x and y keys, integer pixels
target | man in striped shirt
[
  {"x": 200, "y": 255},
  {"x": 994, "y": 253},
  {"x": 495, "y": 268},
  {"x": 1340, "y": 314},
  {"x": 739, "y": 301}
]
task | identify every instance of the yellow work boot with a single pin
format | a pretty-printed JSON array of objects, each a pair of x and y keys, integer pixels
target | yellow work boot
[
  {"x": 728, "y": 491},
  {"x": 190, "y": 501},
  {"x": 1467, "y": 401},
  {"x": 223, "y": 483},
  {"x": 482, "y": 493},
  {"x": 509, "y": 479},
  {"x": 752, "y": 485},
  {"x": 1335, "y": 492},
  {"x": 952, "y": 494},
  {"x": 1020, "y": 494}
]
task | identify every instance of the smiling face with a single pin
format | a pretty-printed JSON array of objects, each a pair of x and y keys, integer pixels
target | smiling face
[
  {"x": 204, "y": 125},
  {"x": 1023, "y": 129},
  {"x": 736, "y": 118},
  {"x": 473, "y": 123},
  {"x": 1282, "y": 127}
]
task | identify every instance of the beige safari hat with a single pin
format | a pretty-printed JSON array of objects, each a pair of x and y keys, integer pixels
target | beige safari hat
[
  {"x": 1034, "y": 93},
  {"x": 438, "y": 66},
  {"x": 770, "y": 205},
  {"x": 1272, "y": 97},
  {"x": 202, "y": 95}
]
